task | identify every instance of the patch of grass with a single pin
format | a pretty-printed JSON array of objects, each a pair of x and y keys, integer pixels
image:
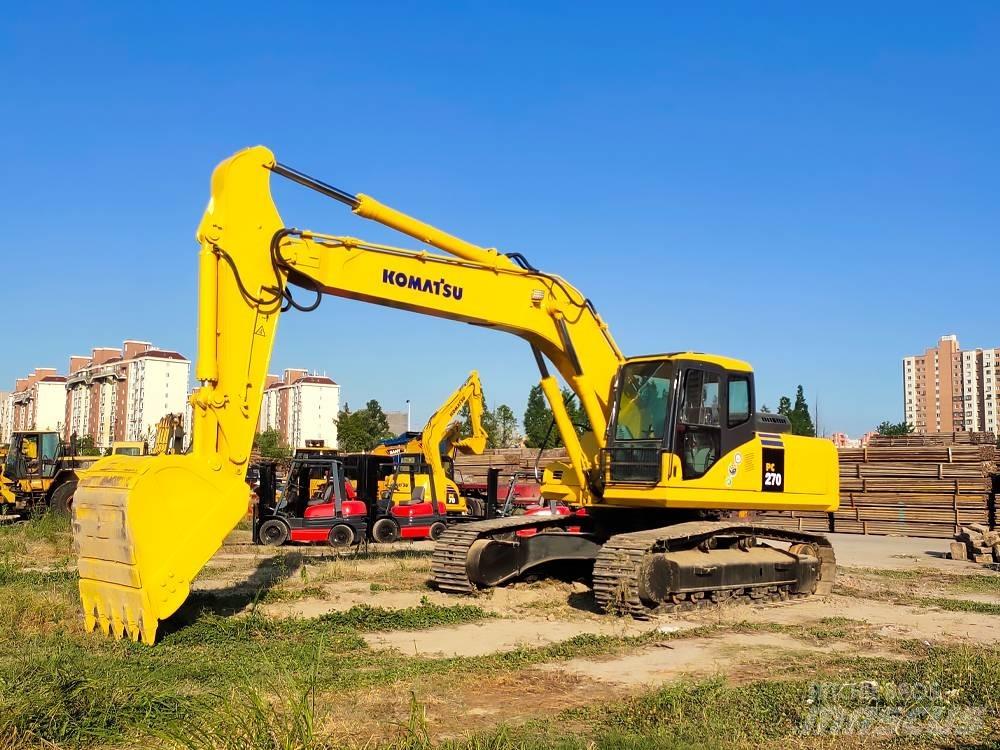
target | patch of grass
[
  {"x": 44, "y": 538},
  {"x": 941, "y": 602},
  {"x": 250, "y": 717},
  {"x": 978, "y": 583},
  {"x": 907, "y": 574},
  {"x": 274, "y": 595},
  {"x": 960, "y": 605},
  {"x": 718, "y": 714}
]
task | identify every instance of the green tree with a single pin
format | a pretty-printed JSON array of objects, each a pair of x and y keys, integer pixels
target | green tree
[
  {"x": 894, "y": 429},
  {"x": 85, "y": 446},
  {"x": 785, "y": 406},
  {"x": 798, "y": 414},
  {"x": 765, "y": 410},
  {"x": 362, "y": 430},
  {"x": 538, "y": 419},
  {"x": 500, "y": 425},
  {"x": 506, "y": 435},
  {"x": 802, "y": 423},
  {"x": 270, "y": 444}
]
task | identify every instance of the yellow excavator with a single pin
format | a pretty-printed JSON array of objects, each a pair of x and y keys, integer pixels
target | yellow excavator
[
  {"x": 676, "y": 444},
  {"x": 420, "y": 462}
]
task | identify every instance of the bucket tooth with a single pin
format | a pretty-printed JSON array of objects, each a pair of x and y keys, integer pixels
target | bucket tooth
[{"x": 137, "y": 550}]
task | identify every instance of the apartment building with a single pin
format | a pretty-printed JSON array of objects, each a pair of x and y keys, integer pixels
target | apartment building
[
  {"x": 946, "y": 389},
  {"x": 301, "y": 407},
  {"x": 120, "y": 394},
  {"x": 6, "y": 416},
  {"x": 36, "y": 403}
]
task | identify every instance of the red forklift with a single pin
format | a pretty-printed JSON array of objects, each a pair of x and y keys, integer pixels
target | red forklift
[{"x": 316, "y": 504}]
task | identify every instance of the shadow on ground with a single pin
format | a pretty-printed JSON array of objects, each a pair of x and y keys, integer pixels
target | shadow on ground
[{"x": 239, "y": 595}]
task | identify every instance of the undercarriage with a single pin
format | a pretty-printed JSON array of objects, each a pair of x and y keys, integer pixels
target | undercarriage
[{"x": 662, "y": 568}]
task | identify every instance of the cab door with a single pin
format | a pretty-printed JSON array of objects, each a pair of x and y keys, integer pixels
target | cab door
[
  {"x": 714, "y": 406},
  {"x": 699, "y": 430}
]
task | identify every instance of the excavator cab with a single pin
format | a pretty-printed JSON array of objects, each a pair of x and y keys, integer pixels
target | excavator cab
[
  {"x": 686, "y": 426},
  {"x": 696, "y": 410}
]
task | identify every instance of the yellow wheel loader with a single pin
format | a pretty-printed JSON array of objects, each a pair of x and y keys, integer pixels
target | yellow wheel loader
[
  {"x": 40, "y": 473},
  {"x": 676, "y": 445}
]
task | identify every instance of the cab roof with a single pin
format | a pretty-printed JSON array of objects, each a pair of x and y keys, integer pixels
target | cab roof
[{"x": 728, "y": 363}]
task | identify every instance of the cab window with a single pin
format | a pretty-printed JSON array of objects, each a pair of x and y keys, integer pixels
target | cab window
[
  {"x": 644, "y": 400},
  {"x": 739, "y": 400},
  {"x": 700, "y": 405}
]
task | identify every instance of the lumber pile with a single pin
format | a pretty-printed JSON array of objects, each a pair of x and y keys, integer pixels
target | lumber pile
[
  {"x": 976, "y": 543},
  {"x": 933, "y": 438},
  {"x": 916, "y": 490},
  {"x": 472, "y": 469}
]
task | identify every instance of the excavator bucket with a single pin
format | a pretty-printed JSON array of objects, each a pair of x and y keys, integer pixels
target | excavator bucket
[{"x": 143, "y": 527}]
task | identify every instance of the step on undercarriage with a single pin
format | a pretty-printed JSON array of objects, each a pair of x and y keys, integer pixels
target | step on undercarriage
[{"x": 678, "y": 567}]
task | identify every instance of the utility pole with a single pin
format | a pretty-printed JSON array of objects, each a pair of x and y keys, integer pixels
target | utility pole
[{"x": 407, "y": 415}]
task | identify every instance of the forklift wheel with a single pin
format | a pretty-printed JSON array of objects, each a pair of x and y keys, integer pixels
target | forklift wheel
[
  {"x": 273, "y": 532},
  {"x": 385, "y": 531},
  {"x": 437, "y": 529},
  {"x": 341, "y": 535}
]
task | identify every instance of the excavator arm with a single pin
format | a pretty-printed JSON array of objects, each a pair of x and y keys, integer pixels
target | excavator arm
[
  {"x": 144, "y": 528},
  {"x": 437, "y": 429}
]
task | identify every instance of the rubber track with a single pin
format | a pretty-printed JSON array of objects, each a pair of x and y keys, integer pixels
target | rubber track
[
  {"x": 448, "y": 564},
  {"x": 619, "y": 563}
]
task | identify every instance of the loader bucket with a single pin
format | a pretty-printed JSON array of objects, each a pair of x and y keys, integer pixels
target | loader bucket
[{"x": 143, "y": 527}]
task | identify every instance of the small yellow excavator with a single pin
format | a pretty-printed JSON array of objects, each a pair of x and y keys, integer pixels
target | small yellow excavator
[
  {"x": 676, "y": 443},
  {"x": 423, "y": 464}
]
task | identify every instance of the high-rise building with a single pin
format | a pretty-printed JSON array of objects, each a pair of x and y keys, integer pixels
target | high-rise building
[
  {"x": 120, "y": 394},
  {"x": 36, "y": 403},
  {"x": 301, "y": 407},
  {"x": 946, "y": 389}
]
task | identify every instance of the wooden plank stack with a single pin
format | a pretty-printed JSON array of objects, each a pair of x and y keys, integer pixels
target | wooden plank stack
[
  {"x": 922, "y": 489},
  {"x": 936, "y": 438},
  {"x": 472, "y": 469}
]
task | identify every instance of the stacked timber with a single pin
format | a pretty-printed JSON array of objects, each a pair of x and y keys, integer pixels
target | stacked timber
[
  {"x": 473, "y": 469},
  {"x": 932, "y": 438},
  {"x": 919, "y": 490}
]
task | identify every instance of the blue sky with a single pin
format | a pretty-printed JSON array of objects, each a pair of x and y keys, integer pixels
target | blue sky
[{"x": 811, "y": 189}]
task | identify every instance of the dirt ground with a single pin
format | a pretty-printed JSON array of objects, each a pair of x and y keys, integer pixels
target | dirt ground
[{"x": 889, "y": 593}]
